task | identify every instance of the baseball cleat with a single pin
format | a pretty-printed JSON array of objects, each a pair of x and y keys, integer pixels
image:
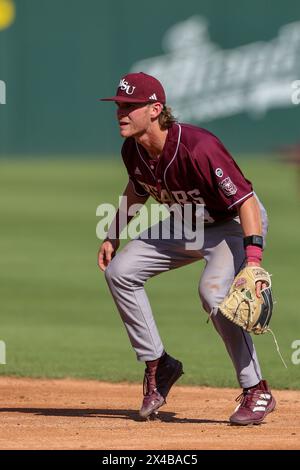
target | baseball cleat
[
  {"x": 151, "y": 403},
  {"x": 168, "y": 372},
  {"x": 157, "y": 385},
  {"x": 255, "y": 404},
  {"x": 153, "y": 417}
]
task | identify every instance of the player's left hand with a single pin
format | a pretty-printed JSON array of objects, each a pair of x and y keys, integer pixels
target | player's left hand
[{"x": 259, "y": 285}]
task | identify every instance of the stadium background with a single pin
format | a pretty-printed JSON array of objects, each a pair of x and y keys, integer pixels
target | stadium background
[{"x": 59, "y": 150}]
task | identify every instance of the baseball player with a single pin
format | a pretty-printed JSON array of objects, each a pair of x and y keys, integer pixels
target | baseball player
[{"x": 183, "y": 164}]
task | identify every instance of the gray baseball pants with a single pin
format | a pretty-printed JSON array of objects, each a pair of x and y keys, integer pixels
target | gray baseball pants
[{"x": 142, "y": 259}]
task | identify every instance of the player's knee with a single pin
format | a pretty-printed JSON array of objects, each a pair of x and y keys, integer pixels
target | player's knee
[{"x": 210, "y": 297}]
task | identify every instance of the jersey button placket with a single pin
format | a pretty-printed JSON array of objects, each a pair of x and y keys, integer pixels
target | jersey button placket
[
  {"x": 158, "y": 186},
  {"x": 158, "y": 177}
]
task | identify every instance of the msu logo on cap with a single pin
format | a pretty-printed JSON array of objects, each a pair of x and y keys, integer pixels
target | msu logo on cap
[
  {"x": 138, "y": 88},
  {"x": 125, "y": 86}
]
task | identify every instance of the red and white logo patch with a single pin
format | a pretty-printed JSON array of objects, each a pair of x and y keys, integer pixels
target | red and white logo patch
[
  {"x": 240, "y": 282},
  {"x": 227, "y": 186}
]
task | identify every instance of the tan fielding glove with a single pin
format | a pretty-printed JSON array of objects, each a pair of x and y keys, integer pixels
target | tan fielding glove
[{"x": 242, "y": 306}]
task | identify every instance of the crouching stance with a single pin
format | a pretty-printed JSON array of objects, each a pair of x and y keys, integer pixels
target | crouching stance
[{"x": 181, "y": 164}]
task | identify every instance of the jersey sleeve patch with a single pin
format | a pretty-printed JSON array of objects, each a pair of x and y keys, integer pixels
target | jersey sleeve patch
[{"x": 228, "y": 187}]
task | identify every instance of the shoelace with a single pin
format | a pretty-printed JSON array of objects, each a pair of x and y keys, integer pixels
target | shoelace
[
  {"x": 247, "y": 398},
  {"x": 149, "y": 384}
]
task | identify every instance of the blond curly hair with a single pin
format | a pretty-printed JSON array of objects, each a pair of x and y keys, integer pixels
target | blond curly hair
[{"x": 166, "y": 118}]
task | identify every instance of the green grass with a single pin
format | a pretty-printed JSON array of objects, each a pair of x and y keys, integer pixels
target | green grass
[{"x": 57, "y": 316}]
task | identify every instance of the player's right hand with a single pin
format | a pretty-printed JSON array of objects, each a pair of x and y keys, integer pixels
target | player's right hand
[{"x": 106, "y": 252}]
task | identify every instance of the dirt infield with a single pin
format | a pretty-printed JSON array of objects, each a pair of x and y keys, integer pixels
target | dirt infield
[{"x": 77, "y": 414}]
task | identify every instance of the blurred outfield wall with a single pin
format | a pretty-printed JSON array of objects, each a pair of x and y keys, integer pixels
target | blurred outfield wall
[{"x": 226, "y": 65}]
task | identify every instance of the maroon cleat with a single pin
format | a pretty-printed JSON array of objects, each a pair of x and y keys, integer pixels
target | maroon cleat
[
  {"x": 169, "y": 370},
  {"x": 159, "y": 377},
  {"x": 256, "y": 403},
  {"x": 151, "y": 403}
]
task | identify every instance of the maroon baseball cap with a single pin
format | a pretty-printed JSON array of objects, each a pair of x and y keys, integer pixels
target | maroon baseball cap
[{"x": 138, "y": 88}]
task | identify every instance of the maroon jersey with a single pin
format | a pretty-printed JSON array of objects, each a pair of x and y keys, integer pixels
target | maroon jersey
[{"x": 194, "y": 167}]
